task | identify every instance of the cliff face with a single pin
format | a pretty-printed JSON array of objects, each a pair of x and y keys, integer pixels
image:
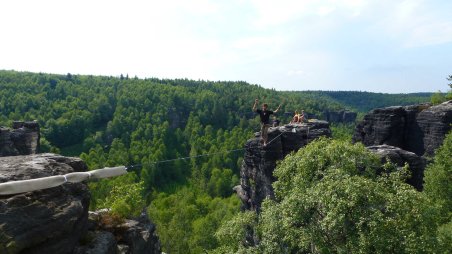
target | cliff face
[
  {"x": 45, "y": 221},
  {"x": 23, "y": 139},
  {"x": 420, "y": 129},
  {"x": 406, "y": 134},
  {"x": 259, "y": 162},
  {"x": 342, "y": 116}
]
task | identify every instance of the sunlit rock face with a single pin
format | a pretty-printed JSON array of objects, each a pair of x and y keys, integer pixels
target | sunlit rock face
[{"x": 43, "y": 221}]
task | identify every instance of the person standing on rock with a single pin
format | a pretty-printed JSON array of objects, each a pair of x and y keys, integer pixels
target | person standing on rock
[{"x": 264, "y": 114}]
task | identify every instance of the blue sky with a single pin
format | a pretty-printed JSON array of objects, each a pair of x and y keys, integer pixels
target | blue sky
[{"x": 380, "y": 46}]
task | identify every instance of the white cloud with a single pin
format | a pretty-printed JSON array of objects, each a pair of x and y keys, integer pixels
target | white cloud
[{"x": 415, "y": 24}]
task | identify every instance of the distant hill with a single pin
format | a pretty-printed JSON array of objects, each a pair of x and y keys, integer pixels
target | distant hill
[{"x": 365, "y": 101}]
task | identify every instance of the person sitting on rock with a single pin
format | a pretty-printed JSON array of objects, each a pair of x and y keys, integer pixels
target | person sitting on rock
[
  {"x": 301, "y": 117},
  {"x": 296, "y": 118},
  {"x": 275, "y": 121},
  {"x": 264, "y": 114}
]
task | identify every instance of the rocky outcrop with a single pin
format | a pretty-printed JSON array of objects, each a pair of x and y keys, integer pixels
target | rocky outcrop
[
  {"x": 99, "y": 242},
  {"x": 130, "y": 236},
  {"x": 259, "y": 162},
  {"x": 44, "y": 221},
  {"x": 420, "y": 128},
  {"x": 23, "y": 139},
  {"x": 341, "y": 116},
  {"x": 55, "y": 220},
  {"x": 400, "y": 157}
]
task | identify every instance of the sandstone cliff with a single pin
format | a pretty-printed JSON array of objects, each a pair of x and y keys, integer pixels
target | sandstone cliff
[
  {"x": 21, "y": 140},
  {"x": 45, "y": 221},
  {"x": 399, "y": 157},
  {"x": 256, "y": 173},
  {"x": 420, "y": 128},
  {"x": 341, "y": 116}
]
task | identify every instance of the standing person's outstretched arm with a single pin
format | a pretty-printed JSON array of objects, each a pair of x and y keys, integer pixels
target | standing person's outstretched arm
[
  {"x": 277, "y": 108},
  {"x": 255, "y": 105}
]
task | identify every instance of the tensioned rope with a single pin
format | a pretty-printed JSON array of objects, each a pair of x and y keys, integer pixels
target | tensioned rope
[
  {"x": 20, "y": 186},
  {"x": 203, "y": 155}
]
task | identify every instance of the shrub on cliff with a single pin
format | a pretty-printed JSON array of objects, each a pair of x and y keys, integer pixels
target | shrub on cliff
[{"x": 125, "y": 200}]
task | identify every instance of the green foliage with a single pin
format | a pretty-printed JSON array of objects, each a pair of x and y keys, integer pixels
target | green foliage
[
  {"x": 342, "y": 131},
  {"x": 445, "y": 238},
  {"x": 233, "y": 235},
  {"x": 319, "y": 158},
  {"x": 221, "y": 183},
  {"x": 46, "y": 147},
  {"x": 438, "y": 179},
  {"x": 438, "y": 187},
  {"x": 191, "y": 216},
  {"x": 125, "y": 200},
  {"x": 329, "y": 200},
  {"x": 438, "y": 98},
  {"x": 102, "y": 189}
]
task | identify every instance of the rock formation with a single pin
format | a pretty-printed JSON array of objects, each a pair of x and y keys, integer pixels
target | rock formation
[
  {"x": 56, "y": 220},
  {"x": 399, "y": 134},
  {"x": 259, "y": 162},
  {"x": 23, "y": 139},
  {"x": 45, "y": 221},
  {"x": 400, "y": 157},
  {"x": 419, "y": 128},
  {"x": 341, "y": 116},
  {"x": 121, "y": 237}
]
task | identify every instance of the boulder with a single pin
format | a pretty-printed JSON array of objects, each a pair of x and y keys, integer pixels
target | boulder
[
  {"x": 401, "y": 157},
  {"x": 256, "y": 173},
  {"x": 44, "y": 221},
  {"x": 418, "y": 128},
  {"x": 23, "y": 139}
]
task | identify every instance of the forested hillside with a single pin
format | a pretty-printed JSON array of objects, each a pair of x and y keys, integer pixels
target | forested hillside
[
  {"x": 110, "y": 121},
  {"x": 365, "y": 101}
]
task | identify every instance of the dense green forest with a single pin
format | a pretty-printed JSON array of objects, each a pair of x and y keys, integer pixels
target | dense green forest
[{"x": 110, "y": 121}]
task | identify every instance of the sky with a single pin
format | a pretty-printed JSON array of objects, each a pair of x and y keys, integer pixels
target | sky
[{"x": 385, "y": 46}]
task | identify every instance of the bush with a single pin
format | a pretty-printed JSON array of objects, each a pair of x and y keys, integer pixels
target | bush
[{"x": 125, "y": 200}]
